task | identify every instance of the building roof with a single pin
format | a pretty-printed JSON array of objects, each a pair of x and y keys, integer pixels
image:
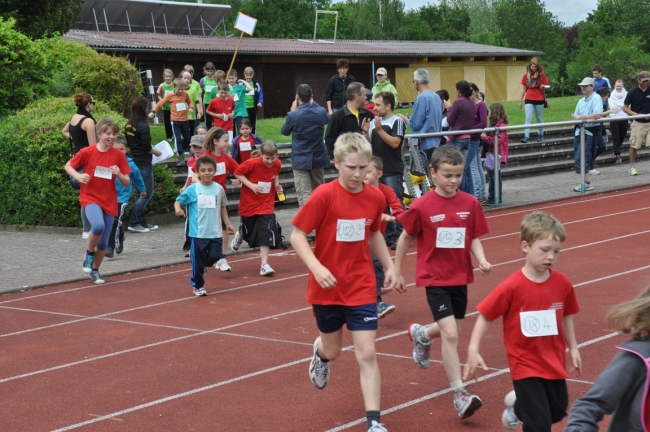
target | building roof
[{"x": 138, "y": 41}]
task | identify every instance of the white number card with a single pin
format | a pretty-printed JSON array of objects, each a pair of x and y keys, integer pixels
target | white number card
[
  {"x": 225, "y": 117},
  {"x": 181, "y": 106},
  {"x": 236, "y": 97},
  {"x": 166, "y": 92},
  {"x": 350, "y": 230},
  {"x": 103, "y": 172},
  {"x": 245, "y": 146},
  {"x": 538, "y": 323},
  {"x": 190, "y": 172},
  {"x": 207, "y": 201},
  {"x": 221, "y": 168},
  {"x": 266, "y": 187},
  {"x": 450, "y": 238},
  {"x": 208, "y": 88}
]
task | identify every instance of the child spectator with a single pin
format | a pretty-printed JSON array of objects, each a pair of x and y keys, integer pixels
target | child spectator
[
  {"x": 195, "y": 96},
  {"x": 498, "y": 118},
  {"x": 116, "y": 239},
  {"x": 207, "y": 211},
  {"x": 200, "y": 130},
  {"x": 180, "y": 104},
  {"x": 261, "y": 177},
  {"x": 208, "y": 83},
  {"x": 447, "y": 223},
  {"x": 238, "y": 89},
  {"x": 194, "y": 83},
  {"x": 244, "y": 143},
  {"x": 622, "y": 388},
  {"x": 254, "y": 97},
  {"x": 346, "y": 214},
  {"x": 216, "y": 144},
  {"x": 102, "y": 164},
  {"x": 222, "y": 108},
  {"x": 537, "y": 304},
  {"x": 197, "y": 150},
  {"x": 392, "y": 209},
  {"x": 164, "y": 89}
]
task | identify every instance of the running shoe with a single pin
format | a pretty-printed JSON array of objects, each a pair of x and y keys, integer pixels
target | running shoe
[
  {"x": 236, "y": 242},
  {"x": 85, "y": 235},
  {"x": 186, "y": 254},
  {"x": 200, "y": 292},
  {"x": 109, "y": 252},
  {"x": 524, "y": 140},
  {"x": 150, "y": 227},
  {"x": 120, "y": 248},
  {"x": 466, "y": 404},
  {"x": 96, "y": 277},
  {"x": 633, "y": 171},
  {"x": 319, "y": 371},
  {"x": 222, "y": 265},
  {"x": 588, "y": 187},
  {"x": 266, "y": 270},
  {"x": 618, "y": 160},
  {"x": 420, "y": 350},
  {"x": 377, "y": 427},
  {"x": 508, "y": 418},
  {"x": 384, "y": 309},
  {"x": 87, "y": 264},
  {"x": 138, "y": 228},
  {"x": 594, "y": 171}
]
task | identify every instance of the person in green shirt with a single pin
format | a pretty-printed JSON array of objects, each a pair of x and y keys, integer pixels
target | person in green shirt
[
  {"x": 383, "y": 84},
  {"x": 196, "y": 87},
  {"x": 195, "y": 115},
  {"x": 254, "y": 97},
  {"x": 207, "y": 83},
  {"x": 163, "y": 90},
  {"x": 238, "y": 89}
]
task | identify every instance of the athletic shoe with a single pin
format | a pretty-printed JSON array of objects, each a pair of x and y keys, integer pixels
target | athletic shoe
[
  {"x": 120, "y": 248},
  {"x": 236, "y": 242},
  {"x": 393, "y": 246},
  {"x": 524, "y": 140},
  {"x": 222, "y": 265},
  {"x": 205, "y": 270},
  {"x": 319, "y": 372},
  {"x": 509, "y": 419},
  {"x": 186, "y": 254},
  {"x": 384, "y": 309},
  {"x": 540, "y": 139},
  {"x": 420, "y": 350},
  {"x": 200, "y": 292},
  {"x": 96, "y": 277},
  {"x": 588, "y": 187},
  {"x": 87, "y": 264},
  {"x": 618, "y": 160},
  {"x": 594, "y": 171},
  {"x": 138, "y": 228},
  {"x": 266, "y": 270},
  {"x": 109, "y": 252},
  {"x": 181, "y": 160},
  {"x": 377, "y": 427},
  {"x": 150, "y": 227},
  {"x": 466, "y": 404},
  {"x": 85, "y": 235},
  {"x": 633, "y": 171}
]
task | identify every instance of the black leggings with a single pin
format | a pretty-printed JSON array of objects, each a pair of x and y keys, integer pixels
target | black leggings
[{"x": 619, "y": 132}]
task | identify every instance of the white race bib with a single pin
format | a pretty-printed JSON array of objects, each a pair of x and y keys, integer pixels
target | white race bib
[
  {"x": 538, "y": 323},
  {"x": 266, "y": 187},
  {"x": 350, "y": 230},
  {"x": 103, "y": 172},
  {"x": 225, "y": 117},
  {"x": 166, "y": 92},
  {"x": 221, "y": 168},
  {"x": 208, "y": 88},
  {"x": 245, "y": 146},
  {"x": 190, "y": 172},
  {"x": 181, "y": 107},
  {"x": 450, "y": 238},
  {"x": 236, "y": 97},
  {"x": 207, "y": 201}
]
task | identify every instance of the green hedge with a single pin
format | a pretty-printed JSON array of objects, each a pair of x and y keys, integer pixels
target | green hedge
[{"x": 34, "y": 188}]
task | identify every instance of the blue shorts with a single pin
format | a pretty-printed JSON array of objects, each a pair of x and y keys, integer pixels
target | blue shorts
[{"x": 330, "y": 318}]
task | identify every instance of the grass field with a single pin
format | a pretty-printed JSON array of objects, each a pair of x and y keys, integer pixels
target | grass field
[{"x": 560, "y": 109}]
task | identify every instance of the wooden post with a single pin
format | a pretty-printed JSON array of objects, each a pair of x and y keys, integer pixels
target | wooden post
[{"x": 235, "y": 55}]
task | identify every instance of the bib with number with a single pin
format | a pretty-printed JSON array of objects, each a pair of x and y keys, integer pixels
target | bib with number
[
  {"x": 190, "y": 172},
  {"x": 245, "y": 146},
  {"x": 450, "y": 238},
  {"x": 181, "y": 106},
  {"x": 209, "y": 88},
  {"x": 350, "y": 230},
  {"x": 236, "y": 98},
  {"x": 538, "y": 323},
  {"x": 266, "y": 186},
  {"x": 221, "y": 168},
  {"x": 103, "y": 172},
  {"x": 207, "y": 201},
  {"x": 166, "y": 92}
]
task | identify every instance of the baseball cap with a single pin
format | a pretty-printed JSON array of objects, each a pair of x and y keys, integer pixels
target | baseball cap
[
  {"x": 381, "y": 71},
  {"x": 369, "y": 93},
  {"x": 587, "y": 81},
  {"x": 197, "y": 140},
  {"x": 644, "y": 76}
]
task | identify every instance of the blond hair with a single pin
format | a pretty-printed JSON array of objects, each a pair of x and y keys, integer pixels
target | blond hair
[
  {"x": 219, "y": 75},
  {"x": 249, "y": 70},
  {"x": 213, "y": 134},
  {"x": 269, "y": 148},
  {"x": 632, "y": 317},
  {"x": 351, "y": 142},
  {"x": 539, "y": 225},
  {"x": 106, "y": 123}
]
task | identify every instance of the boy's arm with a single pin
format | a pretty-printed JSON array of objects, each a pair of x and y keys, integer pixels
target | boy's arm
[
  {"x": 474, "y": 359},
  {"x": 252, "y": 186},
  {"x": 477, "y": 250},
  {"x": 400, "y": 254},
  {"x": 378, "y": 246},
  {"x": 159, "y": 105},
  {"x": 177, "y": 208},
  {"x": 570, "y": 336},
  {"x": 300, "y": 244}
]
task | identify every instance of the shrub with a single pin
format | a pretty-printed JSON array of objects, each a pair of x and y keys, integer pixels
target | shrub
[
  {"x": 61, "y": 55},
  {"x": 34, "y": 188}
]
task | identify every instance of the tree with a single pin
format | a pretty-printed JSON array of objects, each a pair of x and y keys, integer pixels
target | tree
[
  {"x": 42, "y": 18},
  {"x": 619, "y": 18},
  {"x": 483, "y": 26},
  {"x": 292, "y": 19},
  {"x": 447, "y": 21}
]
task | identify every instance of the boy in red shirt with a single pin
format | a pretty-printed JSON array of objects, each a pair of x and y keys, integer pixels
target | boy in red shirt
[
  {"x": 447, "y": 223},
  {"x": 537, "y": 304},
  {"x": 222, "y": 108},
  {"x": 346, "y": 214},
  {"x": 261, "y": 177}
]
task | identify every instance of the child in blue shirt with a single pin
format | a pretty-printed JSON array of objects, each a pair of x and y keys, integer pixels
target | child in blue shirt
[
  {"x": 116, "y": 239},
  {"x": 206, "y": 209}
]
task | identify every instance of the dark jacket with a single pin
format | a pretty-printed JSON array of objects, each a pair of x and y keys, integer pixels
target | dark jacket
[
  {"x": 138, "y": 138},
  {"x": 343, "y": 121},
  {"x": 306, "y": 126},
  {"x": 235, "y": 145},
  {"x": 336, "y": 90}
]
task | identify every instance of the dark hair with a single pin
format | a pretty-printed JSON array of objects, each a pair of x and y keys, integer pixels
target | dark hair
[
  {"x": 446, "y": 154},
  {"x": 139, "y": 108},
  {"x": 246, "y": 122},
  {"x": 209, "y": 66},
  {"x": 205, "y": 160},
  {"x": 444, "y": 94},
  {"x": 387, "y": 97},
  {"x": 269, "y": 148},
  {"x": 474, "y": 87},
  {"x": 353, "y": 90},
  {"x": 464, "y": 88},
  {"x": 233, "y": 72},
  {"x": 342, "y": 63},
  {"x": 604, "y": 91},
  {"x": 304, "y": 92},
  {"x": 121, "y": 140},
  {"x": 82, "y": 99},
  {"x": 377, "y": 162},
  {"x": 597, "y": 68}
]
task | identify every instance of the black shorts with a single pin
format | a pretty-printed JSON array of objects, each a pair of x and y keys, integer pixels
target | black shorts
[
  {"x": 256, "y": 230},
  {"x": 447, "y": 301},
  {"x": 330, "y": 318},
  {"x": 540, "y": 403}
]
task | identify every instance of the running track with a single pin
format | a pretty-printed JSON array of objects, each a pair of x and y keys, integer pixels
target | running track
[{"x": 142, "y": 353}]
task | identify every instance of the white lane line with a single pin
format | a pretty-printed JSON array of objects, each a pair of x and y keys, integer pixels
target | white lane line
[{"x": 580, "y": 381}]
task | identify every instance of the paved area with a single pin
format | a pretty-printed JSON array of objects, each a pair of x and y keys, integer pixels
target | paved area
[{"x": 46, "y": 256}]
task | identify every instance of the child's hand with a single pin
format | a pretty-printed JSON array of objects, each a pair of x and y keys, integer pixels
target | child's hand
[
  {"x": 190, "y": 109},
  {"x": 388, "y": 218},
  {"x": 180, "y": 213},
  {"x": 151, "y": 114},
  {"x": 230, "y": 229},
  {"x": 483, "y": 136},
  {"x": 143, "y": 194},
  {"x": 115, "y": 170},
  {"x": 400, "y": 285},
  {"x": 256, "y": 188},
  {"x": 324, "y": 278},
  {"x": 576, "y": 361},
  {"x": 83, "y": 178},
  {"x": 278, "y": 188},
  {"x": 390, "y": 281},
  {"x": 182, "y": 189},
  {"x": 485, "y": 268},
  {"x": 230, "y": 116},
  {"x": 474, "y": 360},
  {"x": 235, "y": 182}
]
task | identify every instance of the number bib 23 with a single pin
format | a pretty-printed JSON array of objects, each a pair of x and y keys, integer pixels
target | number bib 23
[
  {"x": 450, "y": 238},
  {"x": 350, "y": 230},
  {"x": 538, "y": 323}
]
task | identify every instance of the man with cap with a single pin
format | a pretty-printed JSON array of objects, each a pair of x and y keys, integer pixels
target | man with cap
[
  {"x": 589, "y": 108},
  {"x": 383, "y": 84},
  {"x": 637, "y": 102}
]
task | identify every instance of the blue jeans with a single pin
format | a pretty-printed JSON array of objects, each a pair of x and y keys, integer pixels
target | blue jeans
[
  {"x": 182, "y": 135},
  {"x": 490, "y": 178},
  {"x": 597, "y": 148},
  {"x": 394, "y": 229},
  {"x": 589, "y": 144},
  {"x": 539, "y": 110},
  {"x": 465, "y": 146},
  {"x": 478, "y": 175},
  {"x": 137, "y": 215}
]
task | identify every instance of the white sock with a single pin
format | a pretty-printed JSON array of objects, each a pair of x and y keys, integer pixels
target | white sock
[
  {"x": 424, "y": 336},
  {"x": 456, "y": 386}
]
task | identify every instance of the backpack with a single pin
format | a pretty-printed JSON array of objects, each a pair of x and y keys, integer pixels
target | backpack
[{"x": 277, "y": 240}]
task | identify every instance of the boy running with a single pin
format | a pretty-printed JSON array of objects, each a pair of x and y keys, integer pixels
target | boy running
[
  {"x": 447, "y": 223},
  {"x": 346, "y": 215}
]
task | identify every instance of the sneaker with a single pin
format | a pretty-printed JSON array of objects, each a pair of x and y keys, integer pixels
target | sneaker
[
  {"x": 138, "y": 228},
  {"x": 96, "y": 277},
  {"x": 540, "y": 139},
  {"x": 222, "y": 265},
  {"x": 87, "y": 264},
  {"x": 266, "y": 270},
  {"x": 466, "y": 404},
  {"x": 150, "y": 227},
  {"x": 509, "y": 419},
  {"x": 85, "y": 235},
  {"x": 109, "y": 252},
  {"x": 377, "y": 427},
  {"x": 594, "y": 171},
  {"x": 524, "y": 140},
  {"x": 420, "y": 350},
  {"x": 618, "y": 160},
  {"x": 319, "y": 372},
  {"x": 633, "y": 171},
  {"x": 120, "y": 248},
  {"x": 205, "y": 270},
  {"x": 200, "y": 292},
  {"x": 384, "y": 309},
  {"x": 181, "y": 160},
  {"x": 393, "y": 246},
  {"x": 186, "y": 254},
  {"x": 588, "y": 187},
  {"x": 236, "y": 242}
]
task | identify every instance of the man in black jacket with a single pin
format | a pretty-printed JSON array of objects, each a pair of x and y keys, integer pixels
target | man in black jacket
[
  {"x": 349, "y": 118},
  {"x": 335, "y": 93}
]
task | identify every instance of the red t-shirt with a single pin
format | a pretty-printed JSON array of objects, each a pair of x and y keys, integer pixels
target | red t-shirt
[
  {"x": 98, "y": 190},
  {"x": 428, "y": 217},
  {"x": 330, "y": 210},
  {"x": 225, "y": 165},
  {"x": 219, "y": 106},
  {"x": 392, "y": 203},
  {"x": 244, "y": 155},
  {"x": 535, "y": 93},
  {"x": 255, "y": 171},
  {"x": 528, "y": 357}
]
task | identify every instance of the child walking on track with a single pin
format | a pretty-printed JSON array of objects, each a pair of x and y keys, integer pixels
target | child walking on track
[
  {"x": 622, "y": 389},
  {"x": 207, "y": 210},
  {"x": 260, "y": 178},
  {"x": 447, "y": 223},
  {"x": 346, "y": 214},
  {"x": 537, "y": 304}
]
